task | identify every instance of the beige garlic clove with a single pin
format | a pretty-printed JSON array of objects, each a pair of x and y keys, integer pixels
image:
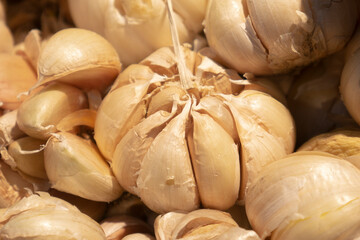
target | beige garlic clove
[
  {"x": 7, "y": 41},
  {"x": 16, "y": 76},
  {"x": 32, "y": 44},
  {"x": 13, "y": 187},
  {"x": 28, "y": 156},
  {"x": 349, "y": 85},
  {"x": 75, "y": 166},
  {"x": 300, "y": 195},
  {"x": 45, "y": 217},
  {"x": 9, "y": 130},
  {"x": 171, "y": 184},
  {"x": 215, "y": 160},
  {"x": 353, "y": 44},
  {"x": 126, "y": 162},
  {"x": 39, "y": 115},
  {"x": 200, "y": 224},
  {"x": 83, "y": 117},
  {"x": 78, "y": 57},
  {"x": 117, "y": 227},
  {"x": 138, "y": 236},
  {"x": 344, "y": 143},
  {"x": 271, "y": 37},
  {"x": 128, "y": 101},
  {"x": 95, "y": 210},
  {"x": 141, "y": 26}
]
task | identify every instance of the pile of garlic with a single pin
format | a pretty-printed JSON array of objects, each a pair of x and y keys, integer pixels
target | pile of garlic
[{"x": 130, "y": 125}]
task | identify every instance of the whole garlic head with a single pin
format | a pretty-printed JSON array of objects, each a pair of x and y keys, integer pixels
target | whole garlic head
[
  {"x": 269, "y": 37},
  {"x": 136, "y": 28}
]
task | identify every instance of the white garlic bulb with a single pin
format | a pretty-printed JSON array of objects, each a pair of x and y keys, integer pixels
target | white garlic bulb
[
  {"x": 136, "y": 28},
  {"x": 275, "y": 36}
]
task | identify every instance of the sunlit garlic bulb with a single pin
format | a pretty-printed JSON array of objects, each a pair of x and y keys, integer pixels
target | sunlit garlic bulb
[
  {"x": 268, "y": 37},
  {"x": 136, "y": 28}
]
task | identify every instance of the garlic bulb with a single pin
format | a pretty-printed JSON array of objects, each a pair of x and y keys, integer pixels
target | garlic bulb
[
  {"x": 314, "y": 99},
  {"x": 28, "y": 157},
  {"x": 269, "y": 37},
  {"x": 39, "y": 114},
  {"x": 16, "y": 76},
  {"x": 349, "y": 85},
  {"x": 136, "y": 28},
  {"x": 78, "y": 57},
  {"x": 175, "y": 147},
  {"x": 75, "y": 166},
  {"x": 200, "y": 224},
  {"x": 305, "y": 195},
  {"x": 45, "y": 217},
  {"x": 344, "y": 143}
]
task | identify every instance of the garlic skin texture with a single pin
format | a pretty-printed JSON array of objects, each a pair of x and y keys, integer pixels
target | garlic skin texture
[
  {"x": 136, "y": 28},
  {"x": 305, "y": 195},
  {"x": 75, "y": 166},
  {"x": 175, "y": 147},
  {"x": 200, "y": 224},
  {"x": 44, "y": 217},
  {"x": 270, "y": 37}
]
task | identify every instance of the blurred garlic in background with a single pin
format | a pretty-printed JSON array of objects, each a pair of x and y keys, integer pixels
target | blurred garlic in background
[
  {"x": 269, "y": 37},
  {"x": 136, "y": 28}
]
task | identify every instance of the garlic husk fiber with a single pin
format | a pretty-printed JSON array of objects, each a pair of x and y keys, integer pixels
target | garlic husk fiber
[
  {"x": 136, "y": 28},
  {"x": 200, "y": 224},
  {"x": 78, "y": 57},
  {"x": 45, "y": 217},
  {"x": 305, "y": 195},
  {"x": 271, "y": 37},
  {"x": 75, "y": 166}
]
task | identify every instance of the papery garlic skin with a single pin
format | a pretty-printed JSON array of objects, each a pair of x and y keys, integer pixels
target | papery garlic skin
[
  {"x": 349, "y": 85},
  {"x": 136, "y": 28},
  {"x": 78, "y": 57},
  {"x": 270, "y": 37},
  {"x": 306, "y": 195},
  {"x": 75, "y": 166},
  {"x": 39, "y": 115}
]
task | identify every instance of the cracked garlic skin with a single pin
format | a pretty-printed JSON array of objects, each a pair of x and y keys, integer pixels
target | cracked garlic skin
[
  {"x": 41, "y": 217},
  {"x": 177, "y": 148},
  {"x": 136, "y": 28},
  {"x": 200, "y": 224},
  {"x": 305, "y": 195},
  {"x": 270, "y": 37}
]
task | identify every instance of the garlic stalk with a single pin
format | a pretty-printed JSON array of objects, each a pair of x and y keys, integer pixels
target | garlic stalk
[
  {"x": 78, "y": 57},
  {"x": 16, "y": 76},
  {"x": 45, "y": 217},
  {"x": 136, "y": 28},
  {"x": 75, "y": 166},
  {"x": 270, "y": 37},
  {"x": 39, "y": 115},
  {"x": 305, "y": 195},
  {"x": 200, "y": 224}
]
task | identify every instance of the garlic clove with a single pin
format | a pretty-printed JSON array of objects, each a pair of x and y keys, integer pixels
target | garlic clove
[
  {"x": 215, "y": 159},
  {"x": 13, "y": 187},
  {"x": 51, "y": 222},
  {"x": 85, "y": 117},
  {"x": 9, "y": 130},
  {"x": 7, "y": 41},
  {"x": 16, "y": 76},
  {"x": 138, "y": 236},
  {"x": 126, "y": 162},
  {"x": 128, "y": 101},
  {"x": 237, "y": 43},
  {"x": 28, "y": 156},
  {"x": 164, "y": 99},
  {"x": 163, "y": 187},
  {"x": 165, "y": 224},
  {"x": 32, "y": 44},
  {"x": 349, "y": 85},
  {"x": 51, "y": 104},
  {"x": 304, "y": 190},
  {"x": 76, "y": 167},
  {"x": 117, "y": 227},
  {"x": 78, "y": 57}
]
